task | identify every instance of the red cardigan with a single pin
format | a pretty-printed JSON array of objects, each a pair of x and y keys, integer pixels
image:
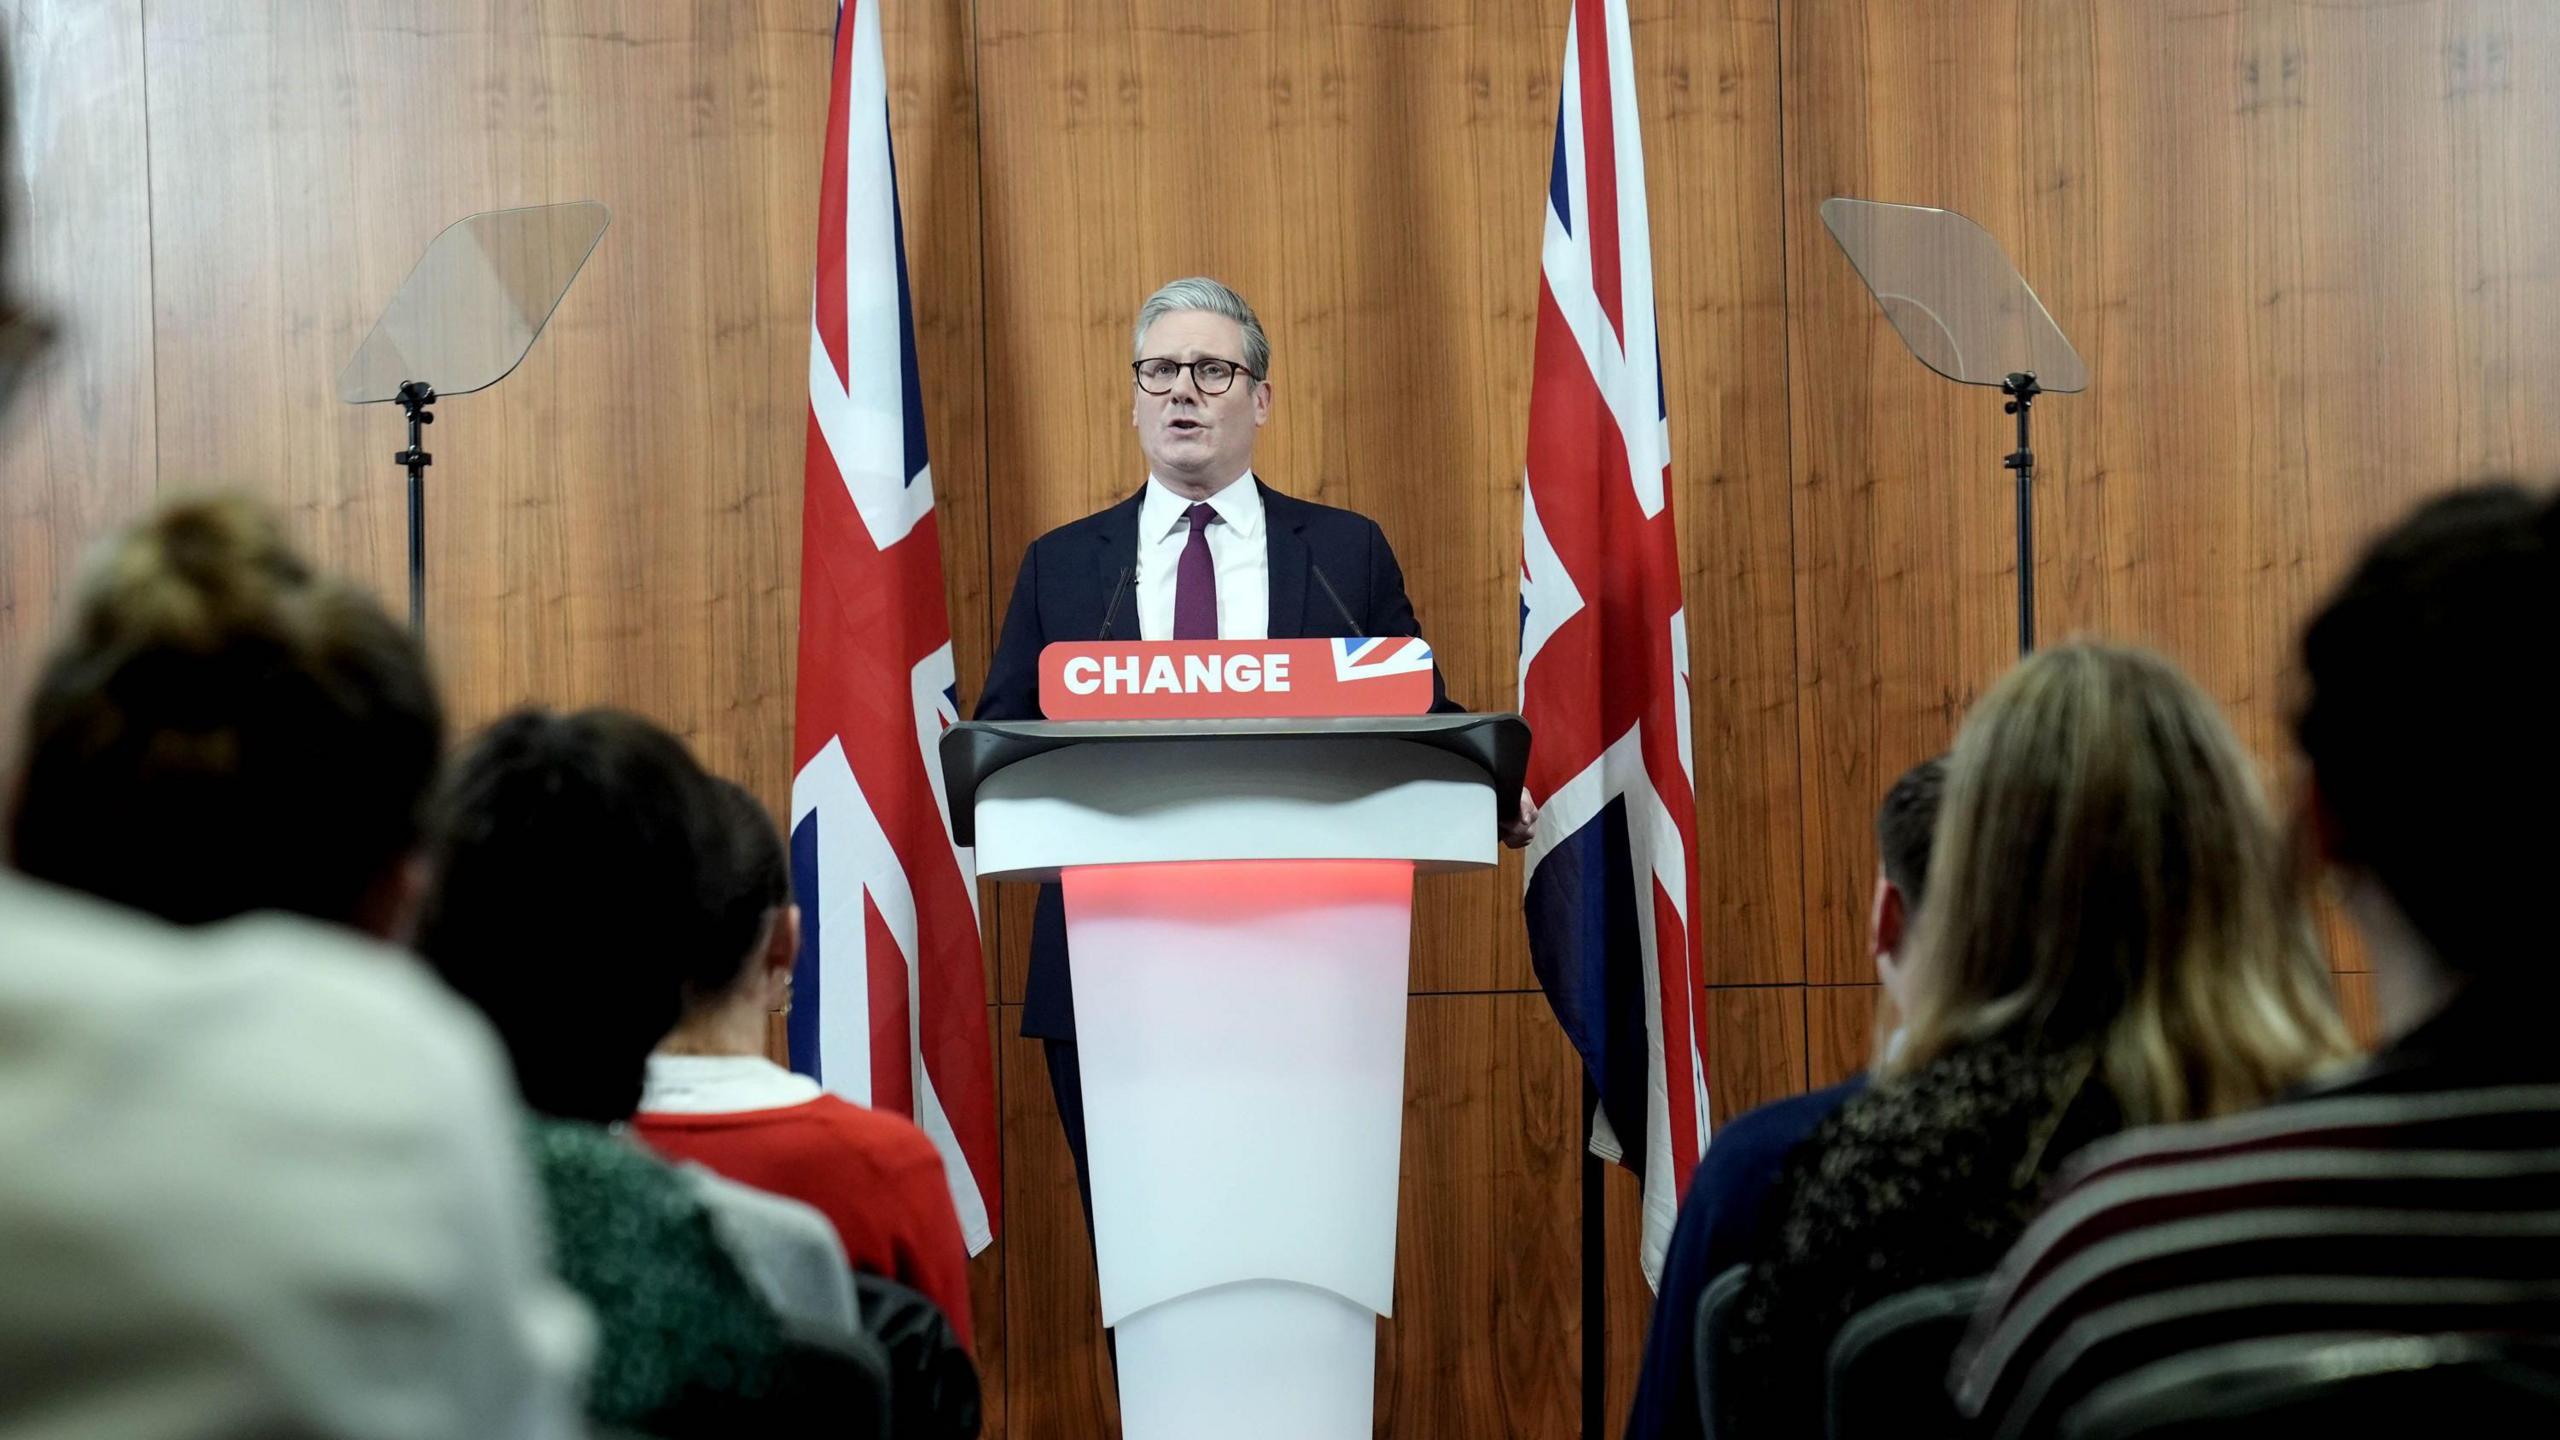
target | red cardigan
[{"x": 873, "y": 1174}]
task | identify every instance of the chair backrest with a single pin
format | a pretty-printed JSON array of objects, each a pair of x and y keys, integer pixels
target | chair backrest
[
  {"x": 832, "y": 1383},
  {"x": 1888, "y": 1368},
  {"x": 2469, "y": 1385},
  {"x": 933, "y": 1382},
  {"x": 1715, "y": 1318}
]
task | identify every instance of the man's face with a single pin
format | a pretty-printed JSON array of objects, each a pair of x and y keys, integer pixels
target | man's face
[{"x": 1195, "y": 442}]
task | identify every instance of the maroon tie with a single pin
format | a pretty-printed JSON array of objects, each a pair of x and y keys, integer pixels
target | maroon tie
[{"x": 1195, "y": 582}]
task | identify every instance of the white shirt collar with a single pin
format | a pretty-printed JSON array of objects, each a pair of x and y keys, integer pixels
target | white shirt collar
[
  {"x": 1239, "y": 508},
  {"x": 721, "y": 1085}
]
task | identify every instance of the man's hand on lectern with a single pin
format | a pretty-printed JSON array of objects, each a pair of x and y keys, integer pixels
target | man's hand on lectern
[{"x": 1516, "y": 831}]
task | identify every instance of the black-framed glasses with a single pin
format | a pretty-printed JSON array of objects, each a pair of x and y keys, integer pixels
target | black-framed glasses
[{"x": 1211, "y": 376}]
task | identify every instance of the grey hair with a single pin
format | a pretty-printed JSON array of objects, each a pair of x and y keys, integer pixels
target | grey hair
[{"x": 1199, "y": 292}]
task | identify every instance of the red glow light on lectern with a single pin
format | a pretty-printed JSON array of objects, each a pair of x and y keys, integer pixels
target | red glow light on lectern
[{"x": 1237, "y": 890}]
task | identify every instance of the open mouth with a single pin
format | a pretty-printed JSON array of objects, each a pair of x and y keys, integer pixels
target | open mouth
[{"x": 1182, "y": 426}]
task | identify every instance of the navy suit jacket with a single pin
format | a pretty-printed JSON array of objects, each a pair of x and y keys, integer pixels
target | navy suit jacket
[{"x": 1064, "y": 588}]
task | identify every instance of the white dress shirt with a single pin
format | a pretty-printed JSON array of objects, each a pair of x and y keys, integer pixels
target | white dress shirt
[{"x": 1239, "y": 546}]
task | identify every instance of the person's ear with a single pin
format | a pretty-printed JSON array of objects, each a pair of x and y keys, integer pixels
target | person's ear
[
  {"x": 1261, "y": 402},
  {"x": 388, "y": 909},
  {"x": 1887, "y": 915},
  {"x": 1888, "y": 918},
  {"x": 781, "y": 955},
  {"x": 2320, "y": 824}
]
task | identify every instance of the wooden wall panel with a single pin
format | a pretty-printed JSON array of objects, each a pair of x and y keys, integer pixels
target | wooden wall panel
[
  {"x": 615, "y": 522},
  {"x": 1840, "y": 1031},
  {"x": 1485, "y": 1338},
  {"x": 78, "y": 458},
  {"x": 1758, "y": 1032},
  {"x": 1056, "y": 1370},
  {"x": 1707, "y": 84},
  {"x": 932, "y": 58},
  {"x": 2356, "y": 1000},
  {"x": 2309, "y": 248},
  {"x": 1902, "y": 518},
  {"x": 989, "y": 1321},
  {"x": 2307, "y": 259}
]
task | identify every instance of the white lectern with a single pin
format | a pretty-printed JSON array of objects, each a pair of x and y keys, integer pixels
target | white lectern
[{"x": 1239, "y": 899}]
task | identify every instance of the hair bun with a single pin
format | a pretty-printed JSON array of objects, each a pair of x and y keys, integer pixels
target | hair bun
[{"x": 198, "y": 572}]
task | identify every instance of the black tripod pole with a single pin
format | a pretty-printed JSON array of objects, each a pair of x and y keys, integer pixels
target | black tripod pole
[
  {"x": 2022, "y": 390},
  {"x": 414, "y": 397}
]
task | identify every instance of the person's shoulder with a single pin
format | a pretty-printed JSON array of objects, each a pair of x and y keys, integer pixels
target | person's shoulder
[
  {"x": 2328, "y": 1118},
  {"x": 574, "y": 1149},
  {"x": 372, "y": 1024},
  {"x": 1303, "y": 514},
  {"x": 318, "y": 974},
  {"x": 340, "y": 1024},
  {"x": 587, "y": 1171},
  {"x": 1759, "y": 1138},
  {"x": 2128, "y": 1180},
  {"x": 179, "y": 1057},
  {"x": 889, "y": 1141},
  {"x": 1955, "y": 1127},
  {"x": 1084, "y": 528}
]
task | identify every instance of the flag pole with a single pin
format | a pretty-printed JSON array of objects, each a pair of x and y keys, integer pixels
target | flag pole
[{"x": 1595, "y": 1277}]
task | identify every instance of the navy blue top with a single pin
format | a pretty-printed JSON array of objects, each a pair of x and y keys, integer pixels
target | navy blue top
[{"x": 1718, "y": 1222}]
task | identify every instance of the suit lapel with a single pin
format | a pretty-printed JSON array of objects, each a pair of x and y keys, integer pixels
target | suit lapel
[
  {"x": 1115, "y": 559},
  {"x": 1285, "y": 550}
]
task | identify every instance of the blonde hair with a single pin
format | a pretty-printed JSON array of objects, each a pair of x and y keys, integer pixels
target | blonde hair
[{"x": 2106, "y": 875}]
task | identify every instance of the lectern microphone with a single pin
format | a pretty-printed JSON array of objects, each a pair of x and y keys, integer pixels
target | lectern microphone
[
  {"x": 1349, "y": 625},
  {"x": 1111, "y": 611}
]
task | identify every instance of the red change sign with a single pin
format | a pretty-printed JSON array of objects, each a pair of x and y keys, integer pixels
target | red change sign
[{"x": 1234, "y": 679}]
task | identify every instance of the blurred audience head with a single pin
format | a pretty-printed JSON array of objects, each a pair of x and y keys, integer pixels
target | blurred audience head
[
  {"x": 2428, "y": 725},
  {"x": 1905, "y": 822},
  {"x": 24, "y": 331},
  {"x": 581, "y": 873},
  {"x": 729, "y": 991},
  {"x": 225, "y": 729},
  {"x": 2106, "y": 874}
]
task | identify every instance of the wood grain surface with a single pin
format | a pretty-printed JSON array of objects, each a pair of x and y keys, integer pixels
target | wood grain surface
[{"x": 2309, "y": 250}]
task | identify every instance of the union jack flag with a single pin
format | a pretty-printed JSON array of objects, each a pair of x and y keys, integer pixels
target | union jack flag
[
  {"x": 1358, "y": 659},
  {"x": 890, "y": 1009},
  {"x": 1612, "y": 894}
]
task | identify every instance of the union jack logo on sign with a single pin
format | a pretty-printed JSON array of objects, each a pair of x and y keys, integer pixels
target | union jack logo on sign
[{"x": 1357, "y": 659}]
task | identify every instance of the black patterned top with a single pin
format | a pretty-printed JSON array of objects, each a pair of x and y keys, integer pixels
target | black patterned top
[{"x": 1921, "y": 1180}]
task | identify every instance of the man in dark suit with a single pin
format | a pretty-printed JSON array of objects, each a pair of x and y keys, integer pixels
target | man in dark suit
[{"x": 1205, "y": 550}]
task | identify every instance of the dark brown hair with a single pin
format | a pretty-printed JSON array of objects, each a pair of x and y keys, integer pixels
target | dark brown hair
[
  {"x": 2428, "y": 725},
  {"x": 756, "y": 883},
  {"x": 581, "y": 875},
  {"x": 225, "y": 728},
  {"x": 1905, "y": 822}
]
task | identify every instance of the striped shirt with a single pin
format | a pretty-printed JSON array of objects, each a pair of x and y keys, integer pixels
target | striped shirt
[{"x": 2420, "y": 1195}]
